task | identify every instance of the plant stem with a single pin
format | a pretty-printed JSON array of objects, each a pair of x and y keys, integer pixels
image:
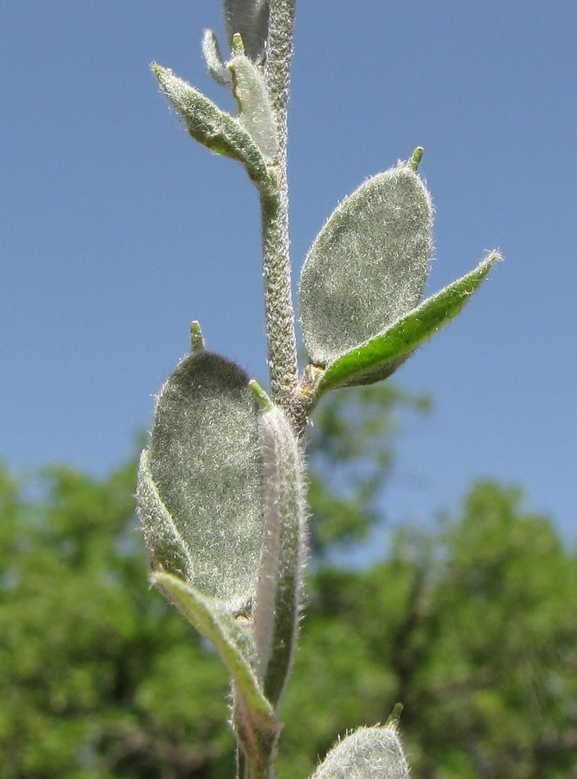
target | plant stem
[
  {"x": 279, "y": 311},
  {"x": 278, "y": 59},
  {"x": 280, "y": 322}
]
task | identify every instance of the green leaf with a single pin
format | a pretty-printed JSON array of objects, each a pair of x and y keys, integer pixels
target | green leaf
[
  {"x": 250, "y": 19},
  {"x": 200, "y": 481},
  {"x": 256, "y": 114},
  {"x": 368, "y": 265},
  {"x": 232, "y": 641},
  {"x": 168, "y": 549},
  {"x": 378, "y": 357},
  {"x": 368, "y": 753},
  {"x": 209, "y": 125}
]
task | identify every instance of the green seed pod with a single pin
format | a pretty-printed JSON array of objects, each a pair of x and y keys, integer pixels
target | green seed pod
[
  {"x": 368, "y": 265},
  {"x": 368, "y": 753},
  {"x": 200, "y": 481},
  {"x": 279, "y": 589}
]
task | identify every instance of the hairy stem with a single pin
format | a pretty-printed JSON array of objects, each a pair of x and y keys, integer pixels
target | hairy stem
[
  {"x": 280, "y": 324},
  {"x": 278, "y": 58},
  {"x": 280, "y": 328},
  {"x": 279, "y": 312}
]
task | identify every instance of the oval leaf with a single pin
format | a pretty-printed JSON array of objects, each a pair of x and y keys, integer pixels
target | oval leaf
[
  {"x": 368, "y": 753},
  {"x": 200, "y": 482},
  {"x": 380, "y": 356},
  {"x": 368, "y": 265}
]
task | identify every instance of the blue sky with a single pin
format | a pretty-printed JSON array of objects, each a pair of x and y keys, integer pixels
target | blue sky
[{"x": 117, "y": 229}]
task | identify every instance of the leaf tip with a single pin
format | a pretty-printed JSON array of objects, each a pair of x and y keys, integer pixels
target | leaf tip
[
  {"x": 415, "y": 159},
  {"x": 486, "y": 265},
  {"x": 262, "y": 397},
  {"x": 393, "y": 721},
  {"x": 197, "y": 344},
  {"x": 237, "y": 46},
  {"x": 157, "y": 69}
]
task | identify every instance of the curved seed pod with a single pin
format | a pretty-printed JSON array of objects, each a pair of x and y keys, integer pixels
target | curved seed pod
[
  {"x": 200, "y": 481},
  {"x": 368, "y": 265},
  {"x": 368, "y": 753},
  {"x": 250, "y": 19},
  {"x": 279, "y": 589},
  {"x": 209, "y": 125},
  {"x": 256, "y": 114}
]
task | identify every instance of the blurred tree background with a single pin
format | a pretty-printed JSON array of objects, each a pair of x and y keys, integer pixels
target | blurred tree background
[{"x": 471, "y": 623}]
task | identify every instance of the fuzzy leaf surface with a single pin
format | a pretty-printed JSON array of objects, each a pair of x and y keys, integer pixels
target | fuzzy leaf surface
[
  {"x": 209, "y": 125},
  {"x": 368, "y": 265},
  {"x": 167, "y": 546},
  {"x": 250, "y": 19},
  {"x": 368, "y": 753},
  {"x": 204, "y": 467},
  {"x": 377, "y": 358}
]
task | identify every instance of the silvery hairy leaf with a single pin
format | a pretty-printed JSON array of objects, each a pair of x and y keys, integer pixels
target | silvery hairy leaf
[
  {"x": 231, "y": 640},
  {"x": 368, "y": 753},
  {"x": 368, "y": 265},
  {"x": 208, "y": 124},
  {"x": 200, "y": 481}
]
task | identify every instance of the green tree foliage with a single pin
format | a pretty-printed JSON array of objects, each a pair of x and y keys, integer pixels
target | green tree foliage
[
  {"x": 350, "y": 458},
  {"x": 98, "y": 677},
  {"x": 472, "y": 626}
]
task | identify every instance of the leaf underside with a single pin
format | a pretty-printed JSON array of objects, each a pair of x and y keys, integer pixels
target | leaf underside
[
  {"x": 279, "y": 590},
  {"x": 378, "y": 357},
  {"x": 232, "y": 641},
  {"x": 209, "y": 125},
  {"x": 256, "y": 114}
]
